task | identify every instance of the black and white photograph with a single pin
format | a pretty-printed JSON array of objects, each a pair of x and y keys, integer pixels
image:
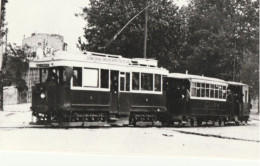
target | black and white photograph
[{"x": 129, "y": 82}]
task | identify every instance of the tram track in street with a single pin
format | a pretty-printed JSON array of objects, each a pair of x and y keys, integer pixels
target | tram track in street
[{"x": 215, "y": 136}]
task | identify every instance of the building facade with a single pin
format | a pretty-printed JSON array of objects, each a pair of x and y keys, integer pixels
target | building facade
[
  {"x": 39, "y": 44},
  {"x": 42, "y": 40}
]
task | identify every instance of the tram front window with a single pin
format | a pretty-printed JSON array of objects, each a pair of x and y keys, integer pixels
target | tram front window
[{"x": 43, "y": 75}]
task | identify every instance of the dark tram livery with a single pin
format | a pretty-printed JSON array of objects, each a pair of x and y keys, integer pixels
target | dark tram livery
[
  {"x": 195, "y": 99},
  {"x": 97, "y": 89},
  {"x": 94, "y": 89}
]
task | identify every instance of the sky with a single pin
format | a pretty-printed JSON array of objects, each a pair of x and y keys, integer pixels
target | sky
[{"x": 25, "y": 17}]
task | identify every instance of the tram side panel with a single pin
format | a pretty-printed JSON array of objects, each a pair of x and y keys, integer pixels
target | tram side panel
[
  {"x": 89, "y": 100},
  {"x": 208, "y": 110}
]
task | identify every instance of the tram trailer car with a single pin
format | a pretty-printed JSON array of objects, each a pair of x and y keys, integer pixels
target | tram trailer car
[
  {"x": 89, "y": 89},
  {"x": 193, "y": 99}
]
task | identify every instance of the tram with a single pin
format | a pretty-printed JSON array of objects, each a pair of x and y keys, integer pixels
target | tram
[
  {"x": 193, "y": 99},
  {"x": 85, "y": 89}
]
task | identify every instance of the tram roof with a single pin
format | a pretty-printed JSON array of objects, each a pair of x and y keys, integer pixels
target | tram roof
[
  {"x": 236, "y": 83},
  {"x": 196, "y": 78},
  {"x": 78, "y": 58}
]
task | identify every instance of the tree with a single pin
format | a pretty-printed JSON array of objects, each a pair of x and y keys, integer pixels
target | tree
[
  {"x": 3, "y": 11},
  {"x": 211, "y": 37},
  {"x": 15, "y": 67},
  {"x": 105, "y": 18},
  {"x": 222, "y": 40}
]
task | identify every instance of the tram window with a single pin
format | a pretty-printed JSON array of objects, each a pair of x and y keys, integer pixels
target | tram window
[
  {"x": 220, "y": 92},
  {"x": 194, "y": 91},
  {"x": 77, "y": 76},
  {"x": 216, "y": 93},
  {"x": 127, "y": 81},
  {"x": 212, "y": 93},
  {"x": 207, "y": 92},
  {"x": 246, "y": 96},
  {"x": 135, "y": 81},
  {"x": 34, "y": 75},
  {"x": 64, "y": 77},
  {"x": 157, "y": 80},
  {"x": 224, "y": 92},
  {"x": 90, "y": 77},
  {"x": 202, "y": 90},
  {"x": 44, "y": 75},
  {"x": 104, "y": 78},
  {"x": 198, "y": 92},
  {"x": 58, "y": 75},
  {"x": 122, "y": 83},
  {"x": 147, "y": 82}
]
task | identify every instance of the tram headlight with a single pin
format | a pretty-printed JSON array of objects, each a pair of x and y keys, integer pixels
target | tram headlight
[{"x": 43, "y": 95}]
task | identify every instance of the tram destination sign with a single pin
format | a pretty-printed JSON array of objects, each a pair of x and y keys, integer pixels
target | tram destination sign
[
  {"x": 109, "y": 60},
  {"x": 42, "y": 65}
]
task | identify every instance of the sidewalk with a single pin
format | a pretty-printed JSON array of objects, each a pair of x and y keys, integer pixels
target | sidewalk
[{"x": 18, "y": 115}]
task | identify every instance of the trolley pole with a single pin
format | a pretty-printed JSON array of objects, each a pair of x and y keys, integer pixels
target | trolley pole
[{"x": 145, "y": 31}]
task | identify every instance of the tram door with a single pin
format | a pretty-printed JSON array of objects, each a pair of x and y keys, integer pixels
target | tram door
[
  {"x": 236, "y": 100},
  {"x": 114, "y": 107}
]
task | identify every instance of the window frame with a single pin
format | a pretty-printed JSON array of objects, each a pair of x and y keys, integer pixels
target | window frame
[
  {"x": 89, "y": 88},
  {"x": 210, "y": 87}
]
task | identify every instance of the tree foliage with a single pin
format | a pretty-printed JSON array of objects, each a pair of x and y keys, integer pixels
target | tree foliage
[
  {"x": 211, "y": 37},
  {"x": 223, "y": 39},
  {"x": 3, "y": 11},
  {"x": 15, "y": 67},
  {"x": 105, "y": 18}
]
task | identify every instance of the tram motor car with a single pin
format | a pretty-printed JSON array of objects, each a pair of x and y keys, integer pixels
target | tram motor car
[{"x": 86, "y": 89}]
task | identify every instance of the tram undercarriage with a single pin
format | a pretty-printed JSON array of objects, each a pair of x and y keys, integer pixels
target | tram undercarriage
[
  {"x": 208, "y": 120},
  {"x": 96, "y": 119}
]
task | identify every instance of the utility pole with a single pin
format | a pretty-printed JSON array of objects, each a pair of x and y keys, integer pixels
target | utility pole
[
  {"x": 1, "y": 62},
  {"x": 145, "y": 31}
]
